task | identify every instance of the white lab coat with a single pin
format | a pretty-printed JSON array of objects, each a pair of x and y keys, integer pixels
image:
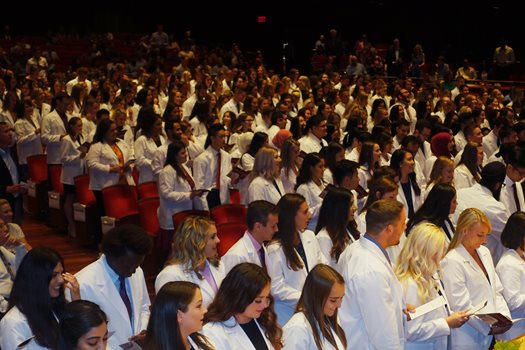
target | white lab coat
[
  {"x": 229, "y": 335},
  {"x": 297, "y": 335},
  {"x": 14, "y": 330},
  {"x": 463, "y": 178},
  {"x": 371, "y": 313},
  {"x": 310, "y": 143},
  {"x": 145, "y": 148},
  {"x": 262, "y": 188},
  {"x": 177, "y": 272},
  {"x": 421, "y": 158},
  {"x": 325, "y": 243},
  {"x": 288, "y": 181},
  {"x": 427, "y": 332},
  {"x": 99, "y": 160},
  {"x": 311, "y": 193},
  {"x": 481, "y": 197},
  {"x": 203, "y": 170},
  {"x": 96, "y": 286},
  {"x": 466, "y": 286},
  {"x": 287, "y": 284},
  {"x": 416, "y": 200},
  {"x": 27, "y": 143},
  {"x": 511, "y": 272},
  {"x": 174, "y": 192},
  {"x": 507, "y": 195},
  {"x": 490, "y": 144},
  {"x": 72, "y": 164},
  {"x": 242, "y": 251},
  {"x": 51, "y": 129}
]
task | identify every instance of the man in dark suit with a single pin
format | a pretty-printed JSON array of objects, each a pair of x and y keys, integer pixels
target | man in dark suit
[
  {"x": 395, "y": 59},
  {"x": 10, "y": 187}
]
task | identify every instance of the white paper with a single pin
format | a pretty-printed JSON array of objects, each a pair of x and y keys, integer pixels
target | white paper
[
  {"x": 130, "y": 346},
  {"x": 478, "y": 307},
  {"x": 426, "y": 308}
]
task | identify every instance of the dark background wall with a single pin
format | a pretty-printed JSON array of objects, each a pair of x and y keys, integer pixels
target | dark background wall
[{"x": 456, "y": 29}]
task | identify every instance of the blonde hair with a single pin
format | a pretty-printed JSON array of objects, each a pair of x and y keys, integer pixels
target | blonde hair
[
  {"x": 189, "y": 243},
  {"x": 264, "y": 164},
  {"x": 416, "y": 259},
  {"x": 467, "y": 219}
]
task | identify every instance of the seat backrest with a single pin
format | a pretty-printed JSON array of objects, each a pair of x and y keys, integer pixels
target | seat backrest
[
  {"x": 84, "y": 194},
  {"x": 120, "y": 200},
  {"x": 229, "y": 213},
  {"x": 179, "y": 217},
  {"x": 55, "y": 171},
  {"x": 228, "y": 234},
  {"x": 149, "y": 219},
  {"x": 37, "y": 168},
  {"x": 147, "y": 189}
]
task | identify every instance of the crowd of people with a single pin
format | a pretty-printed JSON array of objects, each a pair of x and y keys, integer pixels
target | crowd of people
[{"x": 366, "y": 198}]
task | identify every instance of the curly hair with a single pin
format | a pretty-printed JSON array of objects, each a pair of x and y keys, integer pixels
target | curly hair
[{"x": 189, "y": 243}]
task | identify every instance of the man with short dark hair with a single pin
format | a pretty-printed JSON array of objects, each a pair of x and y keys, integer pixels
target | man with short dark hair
[
  {"x": 211, "y": 169},
  {"x": 116, "y": 283},
  {"x": 372, "y": 317},
  {"x": 262, "y": 218}
]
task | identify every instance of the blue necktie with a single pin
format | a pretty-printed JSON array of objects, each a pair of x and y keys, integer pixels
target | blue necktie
[{"x": 124, "y": 295}]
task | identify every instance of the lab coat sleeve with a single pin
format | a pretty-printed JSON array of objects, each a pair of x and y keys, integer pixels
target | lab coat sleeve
[
  {"x": 199, "y": 172},
  {"x": 68, "y": 152},
  {"x": 511, "y": 282},
  {"x": 93, "y": 159},
  {"x": 145, "y": 305},
  {"x": 46, "y": 132},
  {"x": 256, "y": 191},
  {"x": 167, "y": 188},
  {"x": 378, "y": 309},
  {"x": 453, "y": 278},
  {"x": 325, "y": 244},
  {"x": 24, "y": 133},
  {"x": 140, "y": 154},
  {"x": 296, "y": 337},
  {"x": 501, "y": 304},
  {"x": 422, "y": 329}
]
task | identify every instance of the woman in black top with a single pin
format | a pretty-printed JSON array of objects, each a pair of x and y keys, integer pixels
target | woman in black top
[{"x": 241, "y": 316}]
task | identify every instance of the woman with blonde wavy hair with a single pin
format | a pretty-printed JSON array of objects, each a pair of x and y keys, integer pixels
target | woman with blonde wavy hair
[
  {"x": 194, "y": 258},
  {"x": 265, "y": 183},
  {"x": 416, "y": 269},
  {"x": 469, "y": 279}
]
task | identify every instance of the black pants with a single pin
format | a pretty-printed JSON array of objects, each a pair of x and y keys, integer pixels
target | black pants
[{"x": 97, "y": 230}]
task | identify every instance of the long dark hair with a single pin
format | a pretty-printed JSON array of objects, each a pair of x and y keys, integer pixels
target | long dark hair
[
  {"x": 171, "y": 157},
  {"x": 436, "y": 207},
  {"x": 258, "y": 140},
  {"x": 289, "y": 205},
  {"x": 395, "y": 162},
  {"x": 305, "y": 172},
  {"x": 469, "y": 158},
  {"x": 30, "y": 294},
  {"x": 102, "y": 128},
  {"x": 238, "y": 290},
  {"x": 163, "y": 327},
  {"x": 316, "y": 290},
  {"x": 78, "y": 318},
  {"x": 333, "y": 216}
]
